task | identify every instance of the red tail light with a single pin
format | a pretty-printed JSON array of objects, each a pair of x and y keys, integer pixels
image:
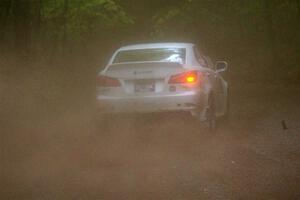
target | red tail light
[
  {"x": 105, "y": 81},
  {"x": 189, "y": 77}
]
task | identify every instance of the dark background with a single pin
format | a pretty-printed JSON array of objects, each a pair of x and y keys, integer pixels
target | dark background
[
  {"x": 50, "y": 53},
  {"x": 63, "y": 43},
  {"x": 254, "y": 36}
]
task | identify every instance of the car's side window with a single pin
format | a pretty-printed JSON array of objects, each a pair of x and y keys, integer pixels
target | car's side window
[
  {"x": 200, "y": 58},
  {"x": 209, "y": 62}
]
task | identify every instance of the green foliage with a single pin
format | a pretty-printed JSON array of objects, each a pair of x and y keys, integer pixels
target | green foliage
[
  {"x": 83, "y": 18},
  {"x": 254, "y": 34}
]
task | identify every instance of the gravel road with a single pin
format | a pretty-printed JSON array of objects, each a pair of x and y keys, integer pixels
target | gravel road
[{"x": 67, "y": 157}]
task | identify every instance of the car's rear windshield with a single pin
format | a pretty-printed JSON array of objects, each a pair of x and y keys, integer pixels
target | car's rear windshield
[{"x": 177, "y": 55}]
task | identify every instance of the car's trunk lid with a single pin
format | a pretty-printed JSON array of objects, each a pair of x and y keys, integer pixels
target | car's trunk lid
[
  {"x": 147, "y": 70},
  {"x": 146, "y": 77}
]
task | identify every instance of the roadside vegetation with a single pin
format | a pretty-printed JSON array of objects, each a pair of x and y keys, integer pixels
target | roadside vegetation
[{"x": 254, "y": 36}]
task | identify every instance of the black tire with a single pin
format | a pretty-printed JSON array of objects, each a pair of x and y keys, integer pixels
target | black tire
[
  {"x": 224, "y": 120},
  {"x": 227, "y": 114},
  {"x": 211, "y": 114}
]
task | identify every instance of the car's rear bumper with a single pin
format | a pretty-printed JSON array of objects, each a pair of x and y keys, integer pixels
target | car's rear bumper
[{"x": 186, "y": 101}]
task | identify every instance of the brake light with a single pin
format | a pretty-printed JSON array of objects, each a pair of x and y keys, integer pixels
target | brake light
[
  {"x": 105, "y": 81},
  {"x": 189, "y": 77}
]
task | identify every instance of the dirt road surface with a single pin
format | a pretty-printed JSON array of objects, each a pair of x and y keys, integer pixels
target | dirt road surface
[{"x": 67, "y": 157}]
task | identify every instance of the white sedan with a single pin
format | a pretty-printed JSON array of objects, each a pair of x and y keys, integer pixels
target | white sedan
[{"x": 163, "y": 77}]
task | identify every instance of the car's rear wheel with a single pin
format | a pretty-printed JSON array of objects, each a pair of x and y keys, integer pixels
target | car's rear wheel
[
  {"x": 224, "y": 120},
  {"x": 207, "y": 118},
  {"x": 211, "y": 114}
]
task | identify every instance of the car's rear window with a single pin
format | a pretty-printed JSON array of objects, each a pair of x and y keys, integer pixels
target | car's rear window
[{"x": 177, "y": 55}]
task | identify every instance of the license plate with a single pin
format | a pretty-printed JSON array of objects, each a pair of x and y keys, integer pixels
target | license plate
[{"x": 144, "y": 86}]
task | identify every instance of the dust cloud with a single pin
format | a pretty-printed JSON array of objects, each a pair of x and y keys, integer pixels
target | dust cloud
[{"x": 52, "y": 147}]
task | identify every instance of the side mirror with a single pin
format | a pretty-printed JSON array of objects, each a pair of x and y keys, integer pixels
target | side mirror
[{"x": 221, "y": 66}]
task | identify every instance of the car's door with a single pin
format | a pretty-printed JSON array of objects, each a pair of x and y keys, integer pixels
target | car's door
[
  {"x": 220, "y": 89},
  {"x": 218, "y": 83}
]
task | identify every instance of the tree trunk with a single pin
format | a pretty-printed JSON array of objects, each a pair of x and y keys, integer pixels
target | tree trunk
[
  {"x": 21, "y": 11},
  {"x": 271, "y": 33},
  {"x": 36, "y": 25},
  {"x": 7, "y": 4},
  {"x": 298, "y": 11},
  {"x": 65, "y": 36}
]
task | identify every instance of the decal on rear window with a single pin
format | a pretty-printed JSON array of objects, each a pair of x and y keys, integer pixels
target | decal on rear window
[{"x": 177, "y": 55}]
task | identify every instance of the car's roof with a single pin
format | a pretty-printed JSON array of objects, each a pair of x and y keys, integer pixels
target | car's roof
[{"x": 157, "y": 45}]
